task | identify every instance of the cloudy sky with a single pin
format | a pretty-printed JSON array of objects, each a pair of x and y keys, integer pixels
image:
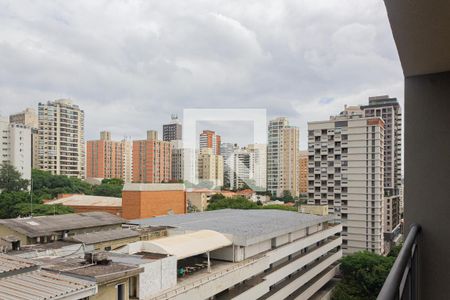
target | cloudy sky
[{"x": 130, "y": 64}]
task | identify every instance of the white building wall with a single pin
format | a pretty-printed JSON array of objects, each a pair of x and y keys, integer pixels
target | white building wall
[{"x": 16, "y": 146}]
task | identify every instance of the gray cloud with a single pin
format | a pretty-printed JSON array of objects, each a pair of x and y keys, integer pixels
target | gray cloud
[{"x": 130, "y": 64}]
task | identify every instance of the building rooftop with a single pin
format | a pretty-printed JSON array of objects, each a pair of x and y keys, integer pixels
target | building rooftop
[
  {"x": 103, "y": 236},
  {"x": 87, "y": 200},
  {"x": 45, "y": 285},
  {"x": 245, "y": 226},
  {"x": 10, "y": 263},
  {"x": 98, "y": 272},
  {"x": 47, "y": 225},
  {"x": 149, "y": 187},
  {"x": 23, "y": 279}
]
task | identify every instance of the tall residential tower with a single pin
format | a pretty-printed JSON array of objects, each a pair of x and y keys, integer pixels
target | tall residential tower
[{"x": 61, "y": 138}]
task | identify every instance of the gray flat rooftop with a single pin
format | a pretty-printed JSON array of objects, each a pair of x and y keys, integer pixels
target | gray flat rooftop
[
  {"x": 245, "y": 226},
  {"x": 47, "y": 225}
]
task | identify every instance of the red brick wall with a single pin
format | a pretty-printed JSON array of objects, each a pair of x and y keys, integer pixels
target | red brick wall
[{"x": 147, "y": 204}]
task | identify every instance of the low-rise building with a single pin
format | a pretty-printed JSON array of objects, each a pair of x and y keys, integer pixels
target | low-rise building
[
  {"x": 24, "y": 279},
  {"x": 43, "y": 229},
  {"x": 114, "y": 280},
  {"x": 241, "y": 254},
  {"x": 145, "y": 200}
]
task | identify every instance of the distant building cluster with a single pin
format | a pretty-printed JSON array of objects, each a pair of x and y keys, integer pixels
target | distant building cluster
[{"x": 352, "y": 165}]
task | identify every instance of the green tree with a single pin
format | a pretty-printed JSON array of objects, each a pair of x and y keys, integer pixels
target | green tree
[
  {"x": 363, "y": 275},
  {"x": 115, "y": 181},
  {"x": 43, "y": 209},
  {"x": 9, "y": 202},
  {"x": 110, "y": 190},
  {"x": 237, "y": 202},
  {"x": 287, "y": 197},
  {"x": 10, "y": 179},
  {"x": 217, "y": 197},
  {"x": 280, "y": 207}
]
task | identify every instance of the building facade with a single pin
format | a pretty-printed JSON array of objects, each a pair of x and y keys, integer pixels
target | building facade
[
  {"x": 210, "y": 167},
  {"x": 303, "y": 176},
  {"x": 389, "y": 110},
  {"x": 209, "y": 139},
  {"x": 173, "y": 130},
  {"x": 282, "y": 157},
  {"x": 29, "y": 118},
  {"x": 61, "y": 138},
  {"x": 226, "y": 150},
  {"x": 345, "y": 172},
  {"x": 109, "y": 159},
  {"x": 16, "y": 146},
  {"x": 259, "y": 152},
  {"x": 152, "y": 160}
]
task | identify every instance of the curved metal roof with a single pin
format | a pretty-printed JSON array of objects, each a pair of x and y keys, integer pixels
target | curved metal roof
[{"x": 187, "y": 245}]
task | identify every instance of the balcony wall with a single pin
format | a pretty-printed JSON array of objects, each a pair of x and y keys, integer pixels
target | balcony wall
[{"x": 427, "y": 177}]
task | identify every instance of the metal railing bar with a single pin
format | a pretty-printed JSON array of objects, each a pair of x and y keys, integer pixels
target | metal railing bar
[{"x": 394, "y": 285}]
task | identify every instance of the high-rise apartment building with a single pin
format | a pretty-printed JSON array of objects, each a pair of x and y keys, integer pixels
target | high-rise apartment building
[
  {"x": 241, "y": 169},
  {"x": 345, "y": 171},
  {"x": 282, "y": 157},
  {"x": 182, "y": 162},
  {"x": 29, "y": 118},
  {"x": 303, "y": 177},
  {"x": 259, "y": 152},
  {"x": 210, "y": 167},
  {"x": 61, "y": 138},
  {"x": 226, "y": 150},
  {"x": 109, "y": 159},
  {"x": 15, "y": 146},
  {"x": 152, "y": 160},
  {"x": 173, "y": 130},
  {"x": 248, "y": 167},
  {"x": 209, "y": 139},
  {"x": 389, "y": 110}
]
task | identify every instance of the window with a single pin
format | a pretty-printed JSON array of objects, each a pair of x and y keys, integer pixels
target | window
[{"x": 120, "y": 291}]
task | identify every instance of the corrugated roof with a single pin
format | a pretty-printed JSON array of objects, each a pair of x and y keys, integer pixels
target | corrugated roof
[
  {"x": 46, "y": 225},
  {"x": 246, "y": 226},
  {"x": 103, "y": 236},
  {"x": 45, "y": 285},
  {"x": 87, "y": 200},
  {"x": 10, "y": 263},
  {"x": 187, "y": 245}
]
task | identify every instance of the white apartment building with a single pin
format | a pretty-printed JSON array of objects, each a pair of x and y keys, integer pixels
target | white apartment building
[
  {"x": 61, "y": 138},
  {"x": 345, "y": 171},
  {"x": 226, "y": 150},
  {"x": 16, "y": 146},
  {"x": 248, "y": 166},
  {"x": 282, "y": 157},
  {"x": 29, "y": 118},
  {"x": 238, "y": 254},
  {"x": 259, "y": 152},
  {"x": 241, "y": 164}
]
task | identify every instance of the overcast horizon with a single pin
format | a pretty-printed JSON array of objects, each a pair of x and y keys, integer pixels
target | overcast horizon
[{"x": 131, "y": 64}]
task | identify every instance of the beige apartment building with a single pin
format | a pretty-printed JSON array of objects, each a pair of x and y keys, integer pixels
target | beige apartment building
[
  {"x": 29, "y": 118},
  {"x": 210, "y": 167},
  {"x": 282, "y": 157},
  {"x": 345, "y": 171},
  {"x": 109, "y": 159},
  {"x": 61, "y": 138}
]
